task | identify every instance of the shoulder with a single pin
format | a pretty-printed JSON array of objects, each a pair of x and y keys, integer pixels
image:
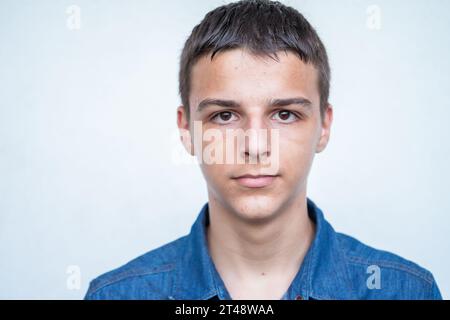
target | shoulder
[
  {"x": 148, "y": 276},
  {"x": 380, "y": 274}
]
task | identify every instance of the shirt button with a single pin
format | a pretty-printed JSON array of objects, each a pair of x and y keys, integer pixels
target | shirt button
[{"x": 298, "y": 297}]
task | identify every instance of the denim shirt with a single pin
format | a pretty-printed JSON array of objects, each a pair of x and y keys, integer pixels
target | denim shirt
[{"x": 336, "y": 266}]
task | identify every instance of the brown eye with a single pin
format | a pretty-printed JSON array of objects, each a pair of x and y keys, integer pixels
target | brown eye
[
  {"x": 285, "y": 116},
  {"x": 224, "y": 117}
]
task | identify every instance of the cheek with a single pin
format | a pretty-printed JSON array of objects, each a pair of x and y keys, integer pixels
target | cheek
[
  {"x": 218, "y": 180},
  {"x": 215, "y": 174},
  {"x": 296, "y": 151}
]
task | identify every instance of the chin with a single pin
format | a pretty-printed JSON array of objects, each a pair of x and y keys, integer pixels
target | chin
[{"x": 255, "y": 208}]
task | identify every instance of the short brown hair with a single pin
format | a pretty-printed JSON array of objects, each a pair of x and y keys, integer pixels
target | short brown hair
[{"x": 262, "y": 27}]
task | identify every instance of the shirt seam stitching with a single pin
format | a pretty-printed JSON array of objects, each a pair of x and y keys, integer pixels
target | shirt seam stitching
[{"x": 391, "y": 265}]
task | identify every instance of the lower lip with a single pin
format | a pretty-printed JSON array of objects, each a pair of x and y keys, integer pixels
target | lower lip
[{"x": 259, "y": 182}]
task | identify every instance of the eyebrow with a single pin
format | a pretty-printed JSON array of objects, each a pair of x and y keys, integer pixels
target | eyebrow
[{"x": 233, "y": 104}]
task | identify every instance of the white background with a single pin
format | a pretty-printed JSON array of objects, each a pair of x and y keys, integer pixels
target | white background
[{"x": 87, "y": 124}]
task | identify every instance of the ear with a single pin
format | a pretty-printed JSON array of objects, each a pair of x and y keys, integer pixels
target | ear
[
  {"x": 325, "y": 130},
  {"x": 183, "y": 127}
]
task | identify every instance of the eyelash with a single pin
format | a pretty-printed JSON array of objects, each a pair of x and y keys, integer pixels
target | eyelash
[{"x": 296, "y": 115}]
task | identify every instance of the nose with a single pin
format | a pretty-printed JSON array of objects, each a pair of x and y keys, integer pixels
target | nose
[{"x": 255, "y": 146}]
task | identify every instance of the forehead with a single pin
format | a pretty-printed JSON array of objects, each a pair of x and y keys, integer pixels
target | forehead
[{"x": 239, "y": 75}]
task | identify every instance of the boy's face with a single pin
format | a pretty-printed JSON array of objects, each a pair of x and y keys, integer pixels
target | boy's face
[{"x": 253, "y": 84}]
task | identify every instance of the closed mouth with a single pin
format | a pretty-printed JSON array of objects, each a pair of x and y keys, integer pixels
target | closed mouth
[
  {"x": 255, "y": 181},
  {"x": 255, "y": 176}
]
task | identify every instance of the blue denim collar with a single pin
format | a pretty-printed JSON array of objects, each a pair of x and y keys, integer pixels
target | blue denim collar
[{"x": 323, "y": 274}]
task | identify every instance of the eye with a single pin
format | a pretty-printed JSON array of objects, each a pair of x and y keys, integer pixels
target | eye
[
  {"x": 223, "y": 117},
  {"x": 285, "y": 116}
]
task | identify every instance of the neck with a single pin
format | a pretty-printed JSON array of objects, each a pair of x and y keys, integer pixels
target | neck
[{"x": 245, "y": 251}]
